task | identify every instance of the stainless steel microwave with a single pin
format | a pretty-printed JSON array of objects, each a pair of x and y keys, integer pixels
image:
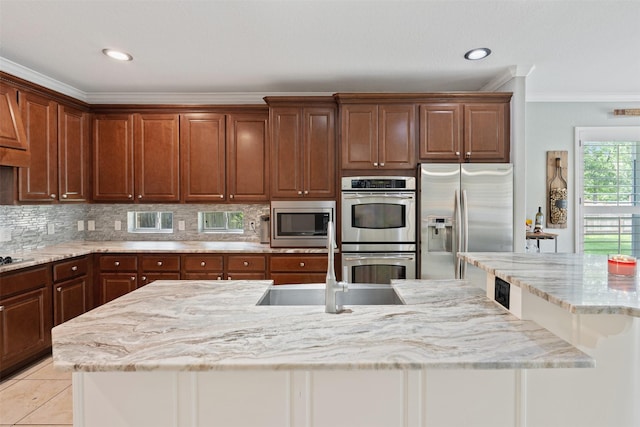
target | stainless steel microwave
[{"x": 301, "y": 223}]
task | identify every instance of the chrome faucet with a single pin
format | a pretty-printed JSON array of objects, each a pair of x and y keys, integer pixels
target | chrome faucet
[{"x": 332, "y": 287}]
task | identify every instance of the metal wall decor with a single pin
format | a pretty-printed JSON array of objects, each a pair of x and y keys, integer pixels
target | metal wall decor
[{"x": 557, "y": 189}]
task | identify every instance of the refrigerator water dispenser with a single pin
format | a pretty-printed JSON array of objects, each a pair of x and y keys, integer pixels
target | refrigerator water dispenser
[{"x": 440, "y": 234}]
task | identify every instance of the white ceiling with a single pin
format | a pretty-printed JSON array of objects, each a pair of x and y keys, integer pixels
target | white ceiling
[{"x": 571, "y": 50}]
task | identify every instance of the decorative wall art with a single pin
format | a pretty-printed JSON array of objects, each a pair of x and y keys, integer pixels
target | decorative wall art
[{"x": 557, "y": 189}]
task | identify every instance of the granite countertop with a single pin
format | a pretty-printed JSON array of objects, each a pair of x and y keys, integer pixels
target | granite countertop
[
  {"x": 78, "y": 248},
  {"x": 578, "y": 283},
  {"x": 215, "y": 325}
]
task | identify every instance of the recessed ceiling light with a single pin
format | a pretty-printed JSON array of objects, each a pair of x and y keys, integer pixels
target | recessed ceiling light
[
  {"x": 116, "y": 54},
  {"x": 478, "y": 53}
]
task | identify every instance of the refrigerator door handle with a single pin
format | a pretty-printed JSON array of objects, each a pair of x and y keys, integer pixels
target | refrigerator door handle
[
  {"x": 465, "y": 219},
  {"x": 457, "y": 235}
]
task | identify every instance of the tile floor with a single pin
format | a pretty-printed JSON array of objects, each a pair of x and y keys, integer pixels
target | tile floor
[{"x": 37, "y": 396}]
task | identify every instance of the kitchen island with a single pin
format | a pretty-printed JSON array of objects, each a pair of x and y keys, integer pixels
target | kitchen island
[
  {"x": 177, "y": 353},
  {"x": 573, "y": 296}
]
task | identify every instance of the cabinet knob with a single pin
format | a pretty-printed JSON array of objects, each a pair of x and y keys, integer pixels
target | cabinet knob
[
  {"x": 130, "y": 196},
  {"x": 375, "y": 164},
  {"x": 1, "y": 308},
  {"x": 159, "y": 263},
  {"x": 144, "y": 278},
  {"x": 64, "y": 196},
  {"x": 59, "y": 289},
  {"x": 468, "y": 154},
  {"x": 382, "y": 165},
  {"x": 219, "y": 277},
  {"x": 139, "y": 196},
  {"x": 202, "y": 264},
  {"x": 231, "y": 196},
  {"x": 306, "y": 191},
  {"x": 222, "y": 196},
  {"x": 229, "y": 278},
  {"x": 458, "y": 153},
  {"x": 299, "y": 192},
  {"x": 74, "y": 268},
  {"x": 302, "y": 264},
  {"x": 53, "y": 196},
  {"x": 117, "y": 263},
  {"x": 134, "y": 278},
  {"x": 245, "y": 263}
]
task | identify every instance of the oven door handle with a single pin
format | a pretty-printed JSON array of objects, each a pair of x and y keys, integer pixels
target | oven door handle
[
  {"x": 365, "y": 258},
  {"x": 378, "y": 196}
]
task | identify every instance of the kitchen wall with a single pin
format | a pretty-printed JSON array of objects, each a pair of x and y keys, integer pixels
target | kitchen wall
[
  {"x": 30, "y": 224},
  {"x": 550, "y": 126}
]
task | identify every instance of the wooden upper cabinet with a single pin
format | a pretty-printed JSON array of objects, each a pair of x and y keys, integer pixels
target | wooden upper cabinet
[
  {"x": 486, "y": 132},
  {"x": 247, "y": 158},
  {"x": 39, "y": 181},
  {"x": 14, "y": 146},
  {"x": 441, "y": 131},
  {"x": 157, "y": 157},
  {"x": 465, "y": 132},
  {"x": 202, "y": 145},
  {"x": 303, "y": 151},
  {"x": 113, "y": 157},
  {"x": 73, "y": 154},
  {"x": 378, "y": 136}
]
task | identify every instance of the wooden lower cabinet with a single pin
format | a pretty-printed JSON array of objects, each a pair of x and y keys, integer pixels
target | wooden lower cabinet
[
  {"x": 25, "y": 317},
  {"x": 246, "y": 267},
  {"x": 159, "y": 267},
  {"x": 202, "y": 267},
  {"x": 72, "y": 289},
  {"x": 292, "y": 269},
  {"x": 117, "y": 275}
]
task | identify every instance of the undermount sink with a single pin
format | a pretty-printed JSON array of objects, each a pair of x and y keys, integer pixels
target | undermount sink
[{"x": 313, "y": 294}]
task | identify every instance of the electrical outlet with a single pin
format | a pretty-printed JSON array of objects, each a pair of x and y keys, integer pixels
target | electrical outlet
[
  {"x": 181, "y": 225},
  {"x": 5, "y": 234},
  {"x": 91, "y": 225},
  {"x": 80, "y": 225},
  {"x": 117, "y": 225},
  {"x": 50, "y": 228}
]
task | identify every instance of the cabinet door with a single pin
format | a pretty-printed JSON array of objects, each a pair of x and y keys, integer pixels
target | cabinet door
[
  {"x": 39, "y": 181},
  {"x": 157, "y": 157},
  {"x": 113, "y": 157},
  {"x": 247, "y": 158},
  {"x": 202, "y": 145},
  {"x": 441, "y": 132},
  {"x": 319, "y": 151},
  {"x": 73, "y": 154},
  {"x": 25, "y": 325},
  {"x": 14, "y": 146},
  {"x": 286, "y": 152},
  {"x": 70, "y": 299},
  {"x": 149, "y": 277},
  {"x": 396, "y": 136},
  {"x": 359, "y": 136},
  {"x": 486, "y": 132},
  {"x": 114, "y": 285}
]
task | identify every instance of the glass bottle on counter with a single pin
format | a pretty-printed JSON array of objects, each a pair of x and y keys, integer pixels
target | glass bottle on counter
[
  {"x": 558, "y": 196},
  {"x": 539, "y": 219}
]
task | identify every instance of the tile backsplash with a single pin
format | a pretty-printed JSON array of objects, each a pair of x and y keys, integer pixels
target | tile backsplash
[{"x": 31, "y": 225}]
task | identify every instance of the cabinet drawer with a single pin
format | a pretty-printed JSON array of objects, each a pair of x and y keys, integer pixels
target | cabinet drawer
[
  {"x": 23, "y": 280},
  {"x": 299, "y": 263},
  {"x": 160, "y": 262},
  {"x": 296, "y": 278},
  {"x": 118, "y": 262},
  {"x": 70, "y": 269},
  {"x": 246, "y": 276},
  {"x": 203, "y": 263},
  {"x": 246, "y": 263},
  {"x": 202, "y": 276}
]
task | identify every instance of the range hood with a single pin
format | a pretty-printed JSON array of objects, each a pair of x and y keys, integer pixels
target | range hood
[{"x": 14, "y": 147}]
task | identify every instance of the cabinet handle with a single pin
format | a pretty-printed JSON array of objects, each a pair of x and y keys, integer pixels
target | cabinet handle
[
  {"x": 245, "y": 263},
  {"x": 306, "y": 191},
  {"x": 64, "y": 196},
  {"x": 117, "y": 263},
  {"x": 381, "y": 165},
  {"x": 302, "y": 264},
  {"x": 159, "y": 263},
  {"x": 229, "y": 278},
  {"x": 458, "y": 153},
  {"x": 468, "y": 155},
  {"x": 375, "y": 164},
  {"x": 299, "y": 193},
  {"x": 139, "y": 196},
  {"x": 222, "y": 196},
  {"x": 53, "y": 196},
  {"x": 144, "y": 278},
  {"x": 219, "y": 277},
  {"x": 59, "y": 289},
  {"x": 74, "y": 268},
  {"x": 134, "y": 278},
  {"x": 231, "y": 196},
  {"x": 130, "y": 196},
  {"x": 1, "y": 308},
  {"x": 202, "y": 264}
]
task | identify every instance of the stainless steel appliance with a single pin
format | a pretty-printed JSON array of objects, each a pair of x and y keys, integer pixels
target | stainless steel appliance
[
  {"x": 378, "y": 228},
  {"x": 463, "y": 208},
  {"x": 301, "y": 223}
]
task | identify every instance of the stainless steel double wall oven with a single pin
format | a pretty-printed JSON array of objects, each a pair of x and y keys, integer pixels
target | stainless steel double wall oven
[{"x": 378, "y": 228}]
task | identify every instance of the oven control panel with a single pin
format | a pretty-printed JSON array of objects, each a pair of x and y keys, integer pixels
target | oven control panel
[{"x": 378, "y": 183}]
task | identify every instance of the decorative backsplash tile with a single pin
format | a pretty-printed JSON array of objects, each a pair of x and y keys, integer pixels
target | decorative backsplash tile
[{"x": 31, "y": 225}]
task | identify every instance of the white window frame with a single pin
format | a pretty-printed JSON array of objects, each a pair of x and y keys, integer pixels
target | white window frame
[
  {"x": 203, "y": 229},
  {"x": 609, "y": 133},
  {"x": 132, "y": 222}
]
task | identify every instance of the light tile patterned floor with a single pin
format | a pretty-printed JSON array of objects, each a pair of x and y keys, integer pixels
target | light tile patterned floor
[{"x": 37, "y": 396}]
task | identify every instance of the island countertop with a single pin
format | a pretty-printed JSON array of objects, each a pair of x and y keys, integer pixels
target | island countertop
[
  {"x": 578, "y": 283},
  {"x": 215, "y": 325}
]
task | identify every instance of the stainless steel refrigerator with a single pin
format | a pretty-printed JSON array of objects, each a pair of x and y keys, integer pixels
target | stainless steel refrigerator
[{"x": 463, "y": 208}]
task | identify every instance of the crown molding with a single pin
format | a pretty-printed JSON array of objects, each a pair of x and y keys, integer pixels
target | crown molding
[
  {"x": 507, "y": 75},
  {"x": 190, "y": 98},
  {"x": 583, "y": 97},
  {"x": 32, "y": 76}
]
